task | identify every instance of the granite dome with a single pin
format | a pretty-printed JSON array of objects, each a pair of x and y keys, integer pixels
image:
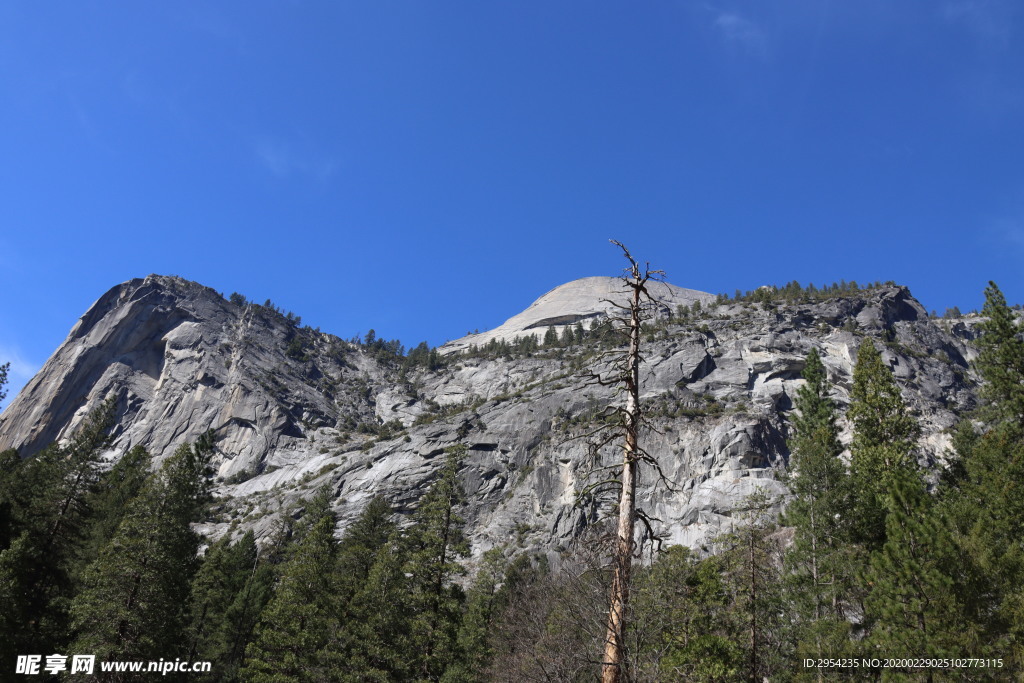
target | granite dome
[{"x": 577, "y": 301}]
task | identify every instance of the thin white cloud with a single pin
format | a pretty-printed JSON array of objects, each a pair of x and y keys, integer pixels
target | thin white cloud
[
  {"x": 8, "y": 258},
  {"x": 22, "y": 370},
  {"x": 988, "y": 80},
  {"x": 742, "y": 32},
  {"x": 991, "y": 21},
  {"x": 209, "y": 20},
  {"x": 1016, "y": 237},
  {"x": 275, "y": 157},
  {"x": 1006, "y": 228},
  {"x": 87, "y": 123},
  {"x": 1013, "y": 232},
  {"x": 282, "y": 160}
]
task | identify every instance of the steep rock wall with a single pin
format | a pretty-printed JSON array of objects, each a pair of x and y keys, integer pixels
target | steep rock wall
[{"x": 295, "y": 409}]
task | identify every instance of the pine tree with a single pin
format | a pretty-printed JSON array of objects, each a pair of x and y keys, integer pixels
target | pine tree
[
  {"x": 358, "y": 548},
  {"x": 48, "y": 498},
  {"x": 750, "y": 568},
  {"x": 213, "y": 588},
  {"x": 374, "y": 641},
  {"x": 814, "y": 425},
  {"x": 986, "y": 510},
  {"x": 10, "y": 495},
  {"x": 29, "y": 495},
  {"x": 983, "y": 494},
  {"x": 296, "y": 627},
  {"x": 884, "y": 437},
  {"x": 567, "y": 337},
  {"x": 400, "y": 620},
  {"x": 434, "y": 542},
  {"x": 132, "y": 604},
  {"x": 313, "y": 510},
  {"x": 242, "y": 615},
  {"x": 818, "y": 563},
  {"x": 111, "y": 498},
  {"x": 370, "y": 597},
  {"x": 482, "y": 601},
  {"x": 551, "y": 337},
  {"x": 80, "y": 476},
  {"x": 221, "y": 606},
  {"x": 912, "y": 605},
  {"x": 1001, "y": 361},
  {"x": 686, "y": 627},
  {"x": 18, "y": 563}
]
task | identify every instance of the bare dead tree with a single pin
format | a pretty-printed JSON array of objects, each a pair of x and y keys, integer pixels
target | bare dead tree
[
  {"x": 751, "y": 557},
  {"x": 625, "y": 376},
  {"x": 552, "y": 626}
]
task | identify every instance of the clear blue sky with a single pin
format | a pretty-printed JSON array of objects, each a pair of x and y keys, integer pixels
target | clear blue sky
[{"x": 426, "y": 168}]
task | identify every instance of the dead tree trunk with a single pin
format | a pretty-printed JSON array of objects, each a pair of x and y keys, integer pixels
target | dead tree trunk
[{"x": 618, "y": 604}]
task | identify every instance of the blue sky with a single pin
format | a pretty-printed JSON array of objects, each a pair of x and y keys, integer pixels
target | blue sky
[{"x": 427, "y": 168}]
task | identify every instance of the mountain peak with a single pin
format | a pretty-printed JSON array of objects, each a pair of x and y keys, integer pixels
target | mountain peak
[{"x": 577, "y": 301}]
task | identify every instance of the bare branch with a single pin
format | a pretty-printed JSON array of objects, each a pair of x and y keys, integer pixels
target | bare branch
[{"x": 656, "y": 539}]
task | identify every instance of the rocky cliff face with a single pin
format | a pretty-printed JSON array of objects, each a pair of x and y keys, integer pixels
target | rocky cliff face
[{"x": 295, "y": 409}]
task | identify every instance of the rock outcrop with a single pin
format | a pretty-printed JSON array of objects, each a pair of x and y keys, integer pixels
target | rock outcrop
[{"x": 295, "y": 409}]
